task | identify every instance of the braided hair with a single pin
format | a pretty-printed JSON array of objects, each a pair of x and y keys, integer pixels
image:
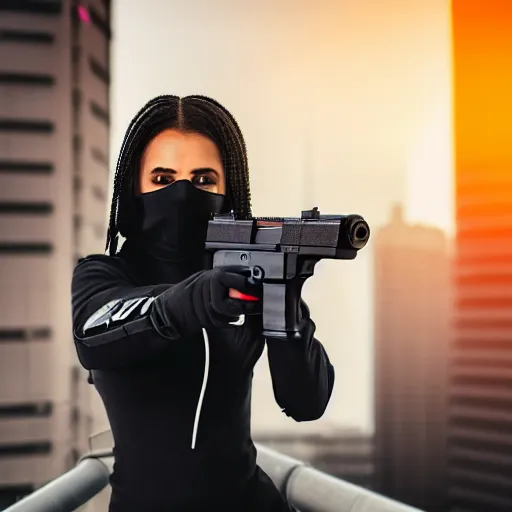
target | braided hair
[{"x": 198, "y": 114}]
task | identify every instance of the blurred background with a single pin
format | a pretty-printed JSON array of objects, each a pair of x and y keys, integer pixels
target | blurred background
[{"x": 399, "y": 110}]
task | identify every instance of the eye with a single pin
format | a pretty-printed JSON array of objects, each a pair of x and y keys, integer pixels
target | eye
[
  {"x": 204, "y": 181},
  {"x": 162, "y": 179}
]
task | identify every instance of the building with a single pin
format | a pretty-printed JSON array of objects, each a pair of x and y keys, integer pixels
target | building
[
  {"x": 480, "y": 412},
  {"x": 54, "y": 146},
  {"x": 342, "y": 453},
  {"x": 412, "y": 332}
]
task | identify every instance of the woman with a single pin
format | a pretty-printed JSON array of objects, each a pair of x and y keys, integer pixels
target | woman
[{"x": 160, "y": 334}]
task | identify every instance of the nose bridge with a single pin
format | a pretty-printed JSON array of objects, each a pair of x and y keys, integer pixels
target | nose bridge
[{"x": 183, "y": 173}]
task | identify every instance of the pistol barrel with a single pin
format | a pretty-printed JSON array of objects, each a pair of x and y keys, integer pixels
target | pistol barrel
[{"x": 324, "y": 232}]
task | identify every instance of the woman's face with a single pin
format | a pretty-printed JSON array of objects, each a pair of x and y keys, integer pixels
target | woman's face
[{"x": 173, "y": 155}]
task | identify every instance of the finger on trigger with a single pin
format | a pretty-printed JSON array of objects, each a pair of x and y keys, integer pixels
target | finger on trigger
[{"x": 234, "y": 281}]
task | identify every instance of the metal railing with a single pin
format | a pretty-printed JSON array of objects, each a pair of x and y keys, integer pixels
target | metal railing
[
  {"x": 71, "y": 490},
  {"x": 307, "y": 489}
]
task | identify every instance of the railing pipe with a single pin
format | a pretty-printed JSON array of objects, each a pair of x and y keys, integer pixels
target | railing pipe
[
  {"x": 306, "y": 488},
  {"x": 313, "y": 491},
  {"x": 71, "y": 490}
]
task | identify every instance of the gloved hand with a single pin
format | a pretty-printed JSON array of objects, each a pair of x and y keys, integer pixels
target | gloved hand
[{"x": 202, "y": 300}]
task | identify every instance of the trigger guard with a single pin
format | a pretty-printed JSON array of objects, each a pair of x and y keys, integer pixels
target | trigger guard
[{"x": 240, "y": 321}]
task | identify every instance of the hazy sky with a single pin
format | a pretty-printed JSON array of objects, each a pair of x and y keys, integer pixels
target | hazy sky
[{"x": 344, "y": 105}]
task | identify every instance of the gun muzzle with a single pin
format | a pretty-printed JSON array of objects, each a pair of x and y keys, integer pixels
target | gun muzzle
[{"x": 358, "y": 232}]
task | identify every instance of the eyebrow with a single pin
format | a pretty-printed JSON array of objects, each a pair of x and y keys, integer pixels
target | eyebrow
[{"x": 199, "y": 171}]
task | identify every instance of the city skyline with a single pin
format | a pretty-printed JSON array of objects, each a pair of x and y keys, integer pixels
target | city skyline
[
  {"x": 369, "y": 107},
  {"x": 413, "y": 315},
  {"x": 348, "y": 106}
]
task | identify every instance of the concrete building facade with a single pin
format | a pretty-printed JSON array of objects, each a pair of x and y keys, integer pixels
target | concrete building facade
[
  {"x": 480, "y": 392},
  {"x": 54, "y": 146},
  {"x": 412, "y": 336}
]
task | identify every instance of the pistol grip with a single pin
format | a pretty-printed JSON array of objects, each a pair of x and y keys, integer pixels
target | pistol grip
[{"x": 281, "y": 308}]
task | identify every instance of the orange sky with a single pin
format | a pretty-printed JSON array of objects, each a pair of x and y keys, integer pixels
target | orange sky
[{"x": 482, "y": 34}]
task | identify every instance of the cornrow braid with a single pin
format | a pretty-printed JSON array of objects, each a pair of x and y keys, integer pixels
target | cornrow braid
[{"x": 198, "y": 114}]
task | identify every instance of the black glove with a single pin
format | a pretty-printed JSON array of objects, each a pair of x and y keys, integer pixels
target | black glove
[{"x": 202, "y": 300}]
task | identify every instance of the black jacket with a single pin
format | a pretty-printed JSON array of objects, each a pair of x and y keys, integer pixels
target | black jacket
[{"x": 150, "y": 388}]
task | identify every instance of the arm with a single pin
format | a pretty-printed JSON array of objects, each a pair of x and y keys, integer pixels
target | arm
[
  {"x": 302, "y": 375},
  {"x": 128, "y": 340},
  {"x": 118, "y": 324}
]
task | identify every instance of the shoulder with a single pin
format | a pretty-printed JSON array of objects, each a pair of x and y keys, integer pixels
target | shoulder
[
  {"x": 102, "y": 262},
  {"x": 100, "y": 268}
]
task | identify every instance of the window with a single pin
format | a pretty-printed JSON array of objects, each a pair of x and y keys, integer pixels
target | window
[
  {"x": 28, "y": 448},
  {"x": 72, "y": 458},
  {"x": 77, "y": 221},
  {"x": 25, "y": 125},
  {"x": 10, "y": 494},
  {"x": 100, "y": 23},
  {"x": 27, "y": 410},
  {"x": 99, "y": 71},
  {"x": 46, "y": 7},
  {"x": 21, "y": 208},
  {"x": 41, "y": 333},
  {"x": 76, "y": 373},
  {"x": 26, "y": 79},
  {"x": 21, "y": 335},
  {"x": 23, "y": 166},
  {"x": 26, "y": 37},
  {"x": 99, "y": 113},
  {"x": 98, "y": 193},
  {"x": 26, "y": 248},
  {"x": 99, "y": 156},
  {"x": 75, "y": 416},
  {"x": 13, "y": 335}
]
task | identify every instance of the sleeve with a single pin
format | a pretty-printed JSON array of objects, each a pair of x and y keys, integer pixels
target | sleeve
[
  {"x": 302, "y": 375},
  {"x": 122, "y": 332}
]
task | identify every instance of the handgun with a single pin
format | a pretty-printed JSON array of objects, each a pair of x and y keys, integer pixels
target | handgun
[{"x": 280, "y": 254}]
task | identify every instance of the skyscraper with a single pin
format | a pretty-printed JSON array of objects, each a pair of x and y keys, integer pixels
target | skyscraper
[
  {"x": 54, "y": 145},
  {"x": 480, "y": 412},
  {"x": 412, "y": 318}
]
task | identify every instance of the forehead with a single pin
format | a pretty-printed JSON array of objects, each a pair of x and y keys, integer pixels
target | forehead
[{"x": 172, "y": 148}]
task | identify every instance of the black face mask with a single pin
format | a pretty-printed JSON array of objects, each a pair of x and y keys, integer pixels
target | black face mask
[{"x": 174, "y": 224}]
